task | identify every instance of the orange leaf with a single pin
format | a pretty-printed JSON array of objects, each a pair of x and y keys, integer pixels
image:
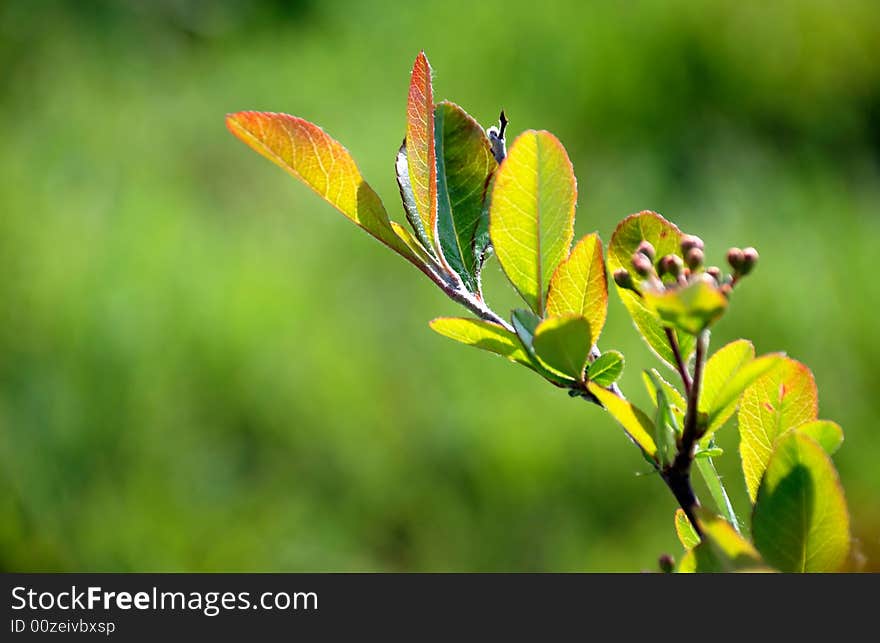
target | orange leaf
[{"x": 420, "y": 156}]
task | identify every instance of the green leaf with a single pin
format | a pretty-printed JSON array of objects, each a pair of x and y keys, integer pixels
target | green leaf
[
  {"x": 716, "y": 488},
  {"x": 727, "y": 374},
  {"x": 711, "y": 452},
  {"x": 525, "y": 322},
  {"x": 690, "y": 309},
  {"x": 828, "y": 434},
  {"x": 563, "y": 344},
  {"x": 531, "y": 217},
  {"x": 638, "y": 426},
  {"x": 482, "y": 334},
  {"x": 676, "y": 401},
  {"x": 779, "y": 400},
  {"x": 800, "y": 522},
  {"x": 579, "y": 285},
  {"x": 721, "y": 550},
  {"x": 465, "y": 164},
  {"x": 606, "y": 369},
  {"x": 666, "y": 426},
  {"x": 685, "y": 530},
  {"x": 666, "y": 239},
  {"x": 404, "y": 185}
]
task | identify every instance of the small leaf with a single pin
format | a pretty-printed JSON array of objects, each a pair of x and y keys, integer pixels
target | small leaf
[
  {"x": 721, "y": 550},
  {"x": 304, "y": 150},
  {"x": 563, "y": 345},
  {"x": 666, "y": 239},
  {"x": 638, "y": 426},
  {"x": 531, "y": 216},
  {"x": 482, "y": 334},
  {"x": 579, "y": 285},
  {"x": 800, "y": 521},
  {"x": 827, "y": 434},
  {"x": 465, "y": 164},
  {"x": 690, "y": 309},
  {"x": 666, "y": 427},
  {"x": 420, "y": 155},
  {"x": 404, "y": 185},
  {"x": 677, "y": 403},
  {"x": 782, "y": 399},
  {"x": 685, "y": 530},
  {"x": 606, "y": 369},
  {"x": 725, "y": 399},
  {"x": 711, "y": 452}
]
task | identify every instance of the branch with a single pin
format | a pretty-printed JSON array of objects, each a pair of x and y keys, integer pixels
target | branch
[{"x": 679, "y": 362}]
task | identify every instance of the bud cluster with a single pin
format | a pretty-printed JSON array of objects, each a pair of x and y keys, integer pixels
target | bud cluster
[{"x": 673, "y": 271}]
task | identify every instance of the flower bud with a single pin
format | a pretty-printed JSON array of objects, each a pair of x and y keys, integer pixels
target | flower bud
[
  {"x": 715, "y": 272},
  {"x": 694, "y": 258},
  {"x": 623, "y": 279},
  {"x": 750, "y": 258},
  {"x": 642, "y": 265},
  {"x": 646, "y": 249},
  {"x": 671, "y": 265},
  {"x": 735, "y": 258},
  {"x": 689, "y": 242},
  {"x": 666, "y": 563}
]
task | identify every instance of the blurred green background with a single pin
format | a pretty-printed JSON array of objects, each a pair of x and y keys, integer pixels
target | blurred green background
[{"x": 204, "y": 367}]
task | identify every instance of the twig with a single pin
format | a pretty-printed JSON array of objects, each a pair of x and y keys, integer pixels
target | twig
[{"x": 679, "y": 362}]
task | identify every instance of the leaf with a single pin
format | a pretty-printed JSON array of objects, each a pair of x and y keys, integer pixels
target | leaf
[
  {"x": 666, "y": 239},
  {"x": 579, "y": 285},
  {"x": 465, "y": 164},
  {"x": 720, "y": 367},
  {"x": 606, "y": 369},
  {"x": 482, "y": 334},
  {"x": 691, "y": 308},
  {"x": 304, "y": 150},
  {"x": 726, "y": 398},
  {"x": 721, "y": 550},
  {"x": 685, "y": 530},
  {"x": 482, "y": 243},
  {"x": 782, "y": 399},
  {"x": 531, "y": 216},
  {"x": 420, "y": 155},
  {"x": 677, "y": 403},
  {"x": 800, "y": 521},
  {"x": 666, "y": 427},
  {"x": 563, "y": 344},
  {"x": 827, "y": 434},
  {"x": 638, "y": 426},
  {"x": 404, "y": 185},
  {"x": 524, "y": 323}
]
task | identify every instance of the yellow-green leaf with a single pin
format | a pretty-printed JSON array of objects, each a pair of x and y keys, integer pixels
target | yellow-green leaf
[
  {"x": 420, "y": 155},
  {"x": 676, "y": 401},
  {"x": 721, "y": 550},
  {"x": 579, "y": 285},
  {"x": 531, "y": 216},
  {"x": 782, "y": 399},
  {"x": 465, "y": 164},
  {"x": 685, "y": 530},
  {"x": 635, "y": 423},
  {"x": 606, "y": 369},
  {"x": 800, "y": 522},
  {"x": 720, "y": 404},
  {"x": 691, "y": 308},
  {"x": 308, "y": 153},
  {"x": 563, "y": 344},
  {"x": 828, "y": 434},
  {"x": 666, "y": 239},
  {"x": 482, "y": 334}
]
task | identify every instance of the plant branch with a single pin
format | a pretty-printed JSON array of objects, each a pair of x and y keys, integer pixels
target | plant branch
[
  {"x": 679, "y": 362},
  {"x": 456, "y": 291}
]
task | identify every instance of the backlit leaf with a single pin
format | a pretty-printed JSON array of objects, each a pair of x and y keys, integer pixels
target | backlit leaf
[
  {"x": 404, "y": 185},
  {"x": 579, "y": 285},
  {"x": 721, "y": 550},
  {"x": 638, "y": 426},
  {"x": 666, "y": 239},
  {"x": 800, "y": 522},
  {"x": 420, "y": 156},
  {"x": 482, "y": 334},
  {"x": 726, "y": 397},
  {"x": 308, "y": 153},
  {"x": 782, "y": 399},
  {"x": 606, "y": 369},
  {"x": 690, "y": 309},
  {"x": 531, "y": 216},
  {"x": 465, "y": 164},
  {"x": 685, "y": 530},
  {"x": 563, "y": 344},
  {"x": 827, "y": 434},
  {"x": 676, "y": 401}
]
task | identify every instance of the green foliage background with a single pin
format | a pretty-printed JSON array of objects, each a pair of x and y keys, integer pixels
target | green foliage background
[{"x": 203, "y": 367}]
